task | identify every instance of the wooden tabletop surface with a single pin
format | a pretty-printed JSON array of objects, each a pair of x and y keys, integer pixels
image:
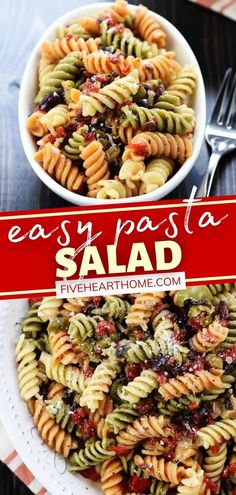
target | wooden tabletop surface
[{"x": 212, "y": 38}]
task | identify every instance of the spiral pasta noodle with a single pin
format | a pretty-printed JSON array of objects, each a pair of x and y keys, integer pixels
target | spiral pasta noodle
[
  {"x": 56, "y": 164},
  {"x": 75, "y": 305},
  {"x": 58, "y": 49},
  {"x": 209, "y": 338},
  {"x": 59, "y": 411},
  {"x": 113, "y": 189},
  {"x": 191, "y": 484},
  {"x": 92, "y": 454},
  {"x": 141, "y": 310},
  {"x": 104, "y": 63},
  {"x": 146, "y": 427},
  {"x": 156, "y": 174},
  {"x": 182, "y": 385},
  {"x": 117, "y": 11},
  {"x": 63, "y": 349},
  {"x": 99, "y": 417},
  {"x": 120, "y": 417},
  {"x": 183, "y": 84},
  {"x": 142, "y": 350},
  {"x": 112, "y": 477},
  {"x": 214, "y": 464},
  {"x": 56, "y": 391},
  {"x": 162, "y": 67},
  {"x": 140, "y": 387},
  {"x": 158, "y": 468},
  {"x": 125, "y": 134},
  {"x": 131, "y": 172},
  {"x": 32, "y": 323},
  {"x": 95, "y": 164},
  {"x": 27, "y": 368},
  {"x": 68, "y": 68},
  {"x": 82, "y": 326},
  {"x": 158, "y": 144},
  {"x": 111, "y": 95},
  {"x": 126, "y": 42},
  {"x": 75, "y": 146},
  {"x": 68, "y": 376},
  {"x": 45, "y": 67},
  {"x": 212, "y": 434},
  {"x": 149, "y": 28},
  {"x": 56, "y": 117},
  {"x": 173, "y": 122},
  {"x": 99, "y": 384},
  {"x": 34, "y": 124},
  {"x": 51, "y": 432}
]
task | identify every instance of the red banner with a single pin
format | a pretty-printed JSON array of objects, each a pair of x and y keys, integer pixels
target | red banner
[{"x": 195, "y": 236}]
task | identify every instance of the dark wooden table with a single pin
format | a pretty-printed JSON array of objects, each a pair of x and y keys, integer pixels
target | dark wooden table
[{"x": 212, "y": 38}]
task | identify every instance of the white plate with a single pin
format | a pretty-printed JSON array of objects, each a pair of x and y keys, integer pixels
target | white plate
[
  {"x": 184, "y": 55},
  {"x": 46, "y": 466}
]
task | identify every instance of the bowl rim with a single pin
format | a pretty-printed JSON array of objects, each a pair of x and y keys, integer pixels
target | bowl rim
[{"x": 50, "y": 182}]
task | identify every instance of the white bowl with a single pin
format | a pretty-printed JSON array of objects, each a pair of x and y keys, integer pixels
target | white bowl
[
  {"x": 49, "y": 468},
  {"x": 184, "y": 55}
]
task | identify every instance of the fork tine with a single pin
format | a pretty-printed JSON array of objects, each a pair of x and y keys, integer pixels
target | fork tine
[
  {"x": 221, "y": 97},
  {"x": 231, "y": 110}
]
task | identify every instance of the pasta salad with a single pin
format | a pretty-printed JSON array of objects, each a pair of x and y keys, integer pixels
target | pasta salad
[
  {"x": 136, "y": 391},
  {"x": 113, "y": 116}
]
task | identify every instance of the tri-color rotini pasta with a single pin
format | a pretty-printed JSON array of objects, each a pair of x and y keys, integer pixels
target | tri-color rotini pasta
[
  {"x": 137, "y": 391},
  {"x": 109, "y": 93}
]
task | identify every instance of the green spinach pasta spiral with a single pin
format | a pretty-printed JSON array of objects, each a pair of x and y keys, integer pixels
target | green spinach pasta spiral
[
  {"x": 114, "y": 307},
  {"x": 32, "y": 323},
  {"x": 174, "y": 122},
  {"x": 67, "y": 68},
  {"x": 93, "y": 453},
  {"x": 81, "y": 326},
  {"x": 120, "y": 417},
  {"x": 126, "y": 42}
]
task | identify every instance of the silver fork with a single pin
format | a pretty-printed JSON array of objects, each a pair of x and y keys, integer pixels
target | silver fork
[{"x": 220, "y": 131}]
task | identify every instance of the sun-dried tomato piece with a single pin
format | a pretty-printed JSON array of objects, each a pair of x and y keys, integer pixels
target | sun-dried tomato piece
[
  {"x": 50, "y": 139},
  {"x": 145, "y": 407},
  {"x": 132, "y": 370},
  {"x": 215, "y": 449},
  {"x": 139, "y": 334},
  {"x": 89, "y": 87},
  {"x": 78, "y": 416},
  {"x": 192, "y": 406},
  {"x": 60, "y": 132},
  {"x": 33, "y": 300},
  {"x": 91, "y": 474},
  {"x": 89, "y": 372},
  {"x": 105, "y": 327},
  {"x": 119, "y": 29},
  {"x": 228, "y": 353},
  {"x": 161, "y": 378},
  {"x": 96, "y": 301},
  {"x": 120, "y": 449},
  {"x": 232, "y": 467},
  {"x": 88, "y": 136},
  {"x": 139, "y": 148},
  {"x": 137, "y": 484},
  {"x": 212, "y": 485}
]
